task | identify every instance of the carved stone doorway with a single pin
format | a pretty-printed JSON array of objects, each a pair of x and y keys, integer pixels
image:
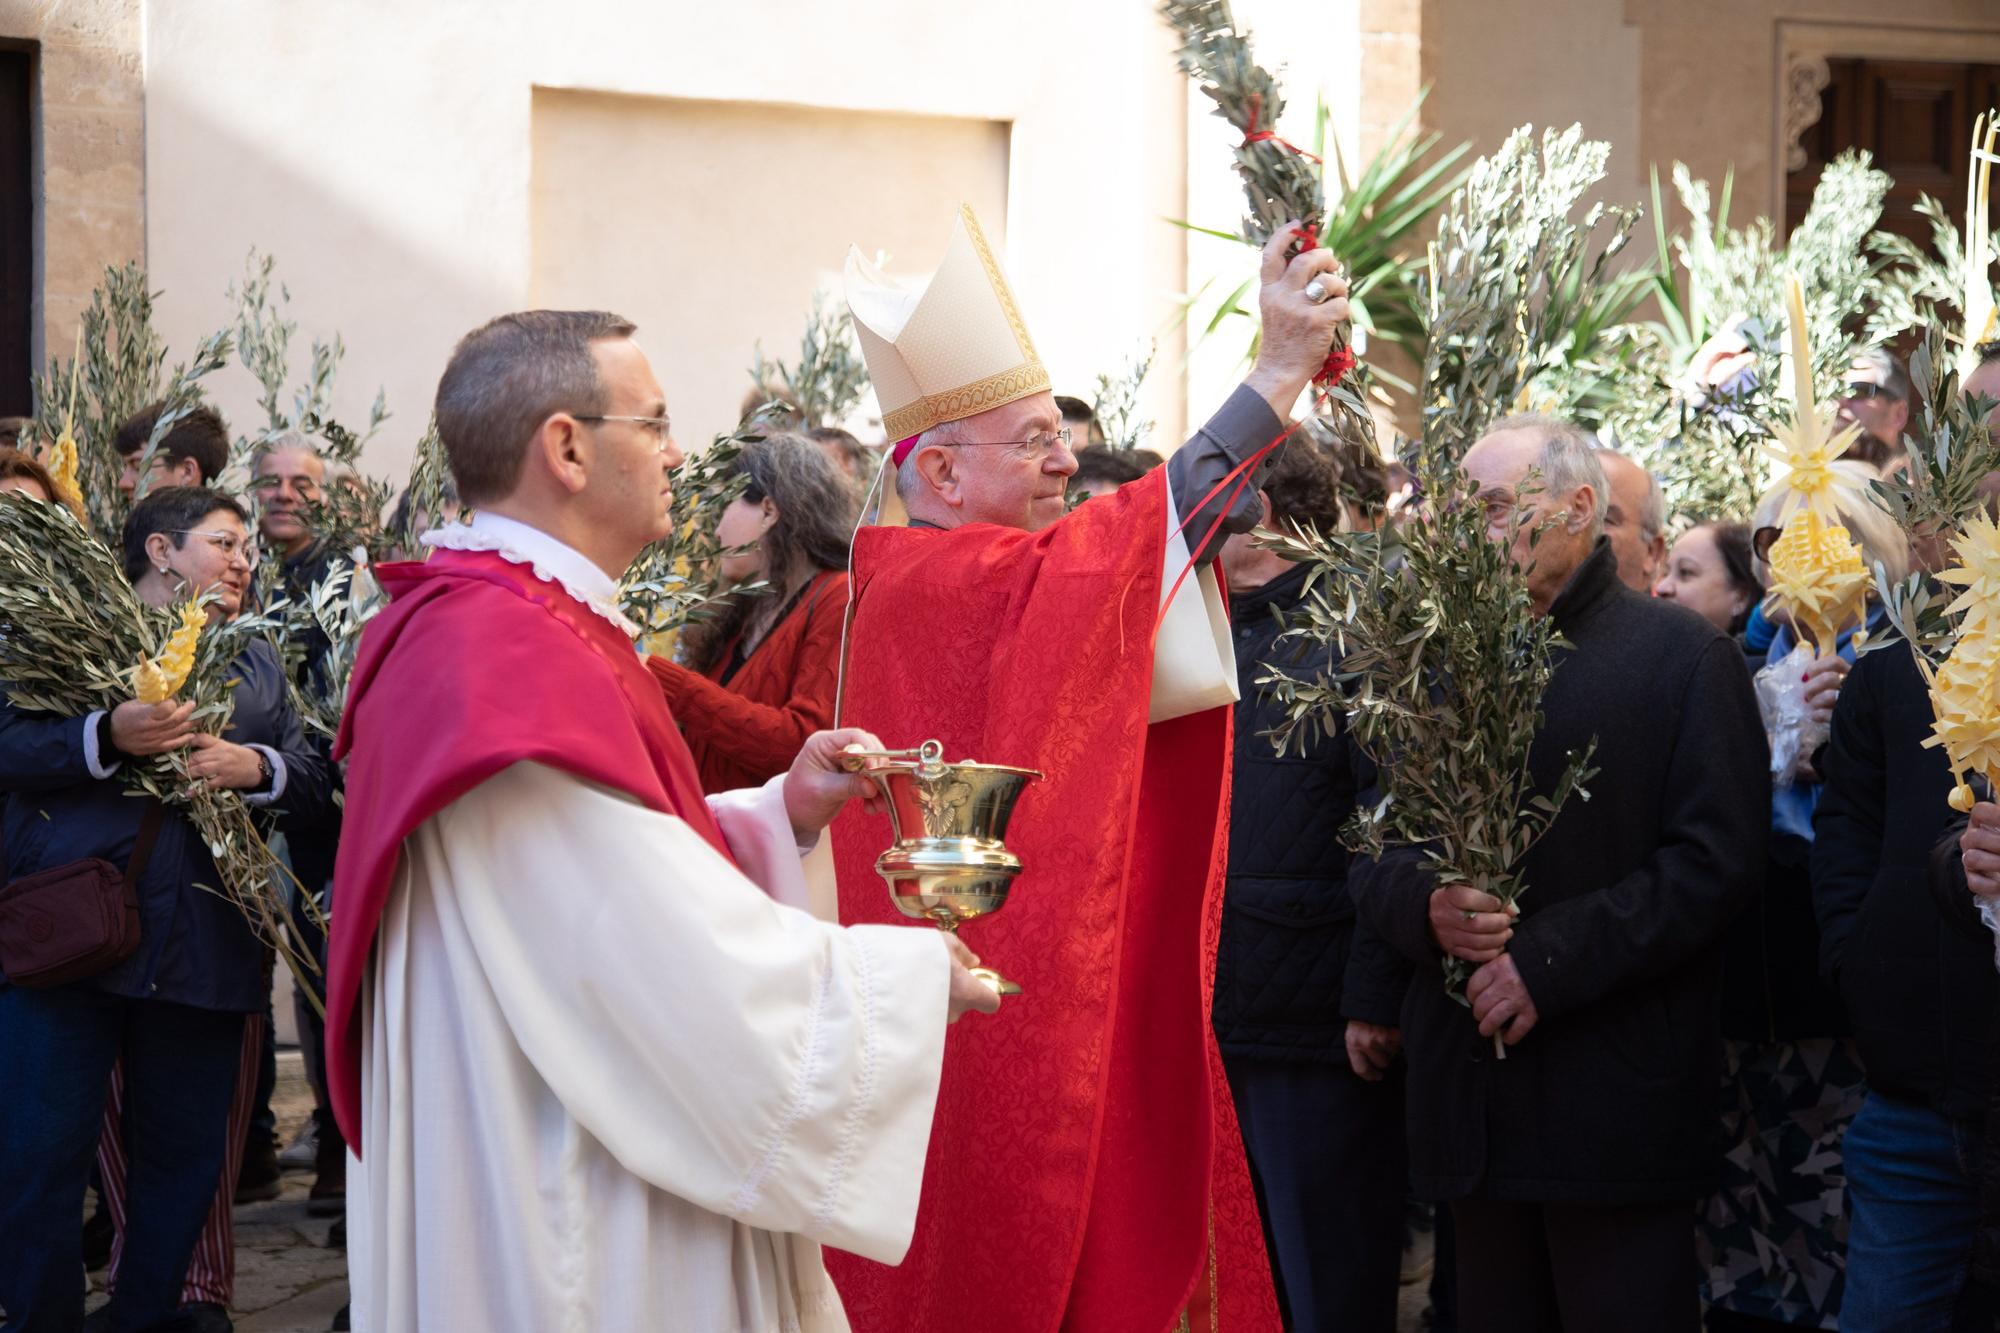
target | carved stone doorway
[{"x": 1914, "y": 116}]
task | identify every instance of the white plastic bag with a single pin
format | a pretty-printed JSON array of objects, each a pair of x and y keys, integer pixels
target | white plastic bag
[{"x": 1781, "y": 698}]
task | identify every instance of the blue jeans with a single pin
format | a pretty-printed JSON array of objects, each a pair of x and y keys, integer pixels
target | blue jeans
[
  {"x": 1913, "y": 1200},
  {"x": 56, "y": 1051}
]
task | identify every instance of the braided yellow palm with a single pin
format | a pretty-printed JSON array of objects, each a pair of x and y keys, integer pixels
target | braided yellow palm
[
  {"x": 1965, "y": 691},
  {"x": 1817, "y": 572},
  {"x": 157, "y": 681}
]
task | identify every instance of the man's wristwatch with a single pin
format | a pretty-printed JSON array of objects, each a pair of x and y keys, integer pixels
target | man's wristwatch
[{"x": 264, "y": 773}]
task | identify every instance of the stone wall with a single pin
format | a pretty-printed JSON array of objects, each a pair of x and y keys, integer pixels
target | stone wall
[
  {"x": 91, "y": 136},
  {"x": 1717, "y": 84}
]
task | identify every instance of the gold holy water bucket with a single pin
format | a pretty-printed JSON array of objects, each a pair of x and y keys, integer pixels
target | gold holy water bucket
[{"x": 949, "y": 863}]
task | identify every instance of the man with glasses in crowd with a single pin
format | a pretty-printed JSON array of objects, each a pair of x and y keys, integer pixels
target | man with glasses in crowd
[
  {"x": 288, "y": 481},
  {"x": 1089, "y": 1127},
  {"x": 1878, "y": 401}
]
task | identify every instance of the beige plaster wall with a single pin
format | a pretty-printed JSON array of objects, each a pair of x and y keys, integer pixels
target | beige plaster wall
[
  {"x": 385, "y": 153},
  {"x": 1494, "y": 65},
  {"x": 91, "y": 141},
  {"x": 639, "y": 203}
]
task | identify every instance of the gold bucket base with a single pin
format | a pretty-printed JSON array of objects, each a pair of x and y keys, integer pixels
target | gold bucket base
[{"x": 949, "y": 863}]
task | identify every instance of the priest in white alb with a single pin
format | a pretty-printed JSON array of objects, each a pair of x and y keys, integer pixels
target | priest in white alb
[{"x": 599, "y": 1070}]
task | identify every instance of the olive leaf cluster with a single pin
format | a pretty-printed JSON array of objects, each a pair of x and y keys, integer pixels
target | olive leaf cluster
[
  {"x": 1925, "y": 287},
  {"x": 1511, "y": 277},
  {"x": 1115, "y": 405},
  {"x": 1281, "y": 184},
  {"x": 1703, "y": 442},
  {"x": 675, "y": 579},
  {"x": 828, "y": 380},
  {"x": 1441, "y": 665},
  {"x": 1951, "y": 452},
  {"x": 119, "y": 368},
  {"x": 71, "y": 632},
  {"x": 1440, "y": 662}
]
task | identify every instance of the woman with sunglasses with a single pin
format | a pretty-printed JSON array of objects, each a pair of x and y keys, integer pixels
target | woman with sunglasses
[
  {"x": 178, "y": 1018},
  {"x": 759, "y": 677}
]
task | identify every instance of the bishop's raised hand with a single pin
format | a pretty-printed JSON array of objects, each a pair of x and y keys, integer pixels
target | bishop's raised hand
[{"x": 1298, "y": 331}]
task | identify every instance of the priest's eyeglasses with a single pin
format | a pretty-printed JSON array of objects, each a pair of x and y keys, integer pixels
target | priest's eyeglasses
[
  {"x": 1036, "y": 449},
  {"x": 662, "y": 427}
]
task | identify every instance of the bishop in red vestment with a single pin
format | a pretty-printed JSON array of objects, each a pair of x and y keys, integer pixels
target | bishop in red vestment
[{"x": 1085, "y": 1169}]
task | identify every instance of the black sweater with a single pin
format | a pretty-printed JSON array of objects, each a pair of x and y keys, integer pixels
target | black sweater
[
  {"x": 1611, "y": 1098},
  {"x": 1920, "y": 993}
]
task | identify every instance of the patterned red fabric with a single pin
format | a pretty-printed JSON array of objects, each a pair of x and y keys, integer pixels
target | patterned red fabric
[
  {"x": 747, "y": 732},
  {"x": 476, "y": 665},
  {"x": 1084, "y": 1144}
]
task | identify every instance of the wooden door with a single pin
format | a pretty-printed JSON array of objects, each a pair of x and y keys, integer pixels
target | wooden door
[
  {"x": 17, "y": 231},
  {"x": 1914, "y": 116}
]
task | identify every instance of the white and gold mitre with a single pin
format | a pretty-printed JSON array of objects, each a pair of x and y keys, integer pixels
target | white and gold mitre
[{"x": 950, "y": 351}]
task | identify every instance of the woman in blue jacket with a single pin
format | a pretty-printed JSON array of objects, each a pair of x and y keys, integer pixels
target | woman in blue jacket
[{"x": 173, "y": 1011}]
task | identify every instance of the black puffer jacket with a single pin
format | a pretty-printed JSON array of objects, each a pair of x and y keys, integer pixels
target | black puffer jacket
[
  {"x": 1920, "y": 992},
  {"x": 1289, "y": 947}
]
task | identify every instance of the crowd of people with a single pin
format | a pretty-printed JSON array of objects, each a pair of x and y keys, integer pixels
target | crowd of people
[{"x": 1730, "y": 1064}]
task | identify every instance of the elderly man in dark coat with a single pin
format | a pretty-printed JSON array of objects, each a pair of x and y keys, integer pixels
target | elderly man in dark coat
[{"x": 1572, "y": 1165}]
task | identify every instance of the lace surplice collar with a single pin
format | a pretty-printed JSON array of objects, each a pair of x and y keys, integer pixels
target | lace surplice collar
[{"x": 551, "y": 560}]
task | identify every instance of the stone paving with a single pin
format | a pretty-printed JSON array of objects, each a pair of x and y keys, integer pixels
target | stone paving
[{"x": 288, "y": 1281}]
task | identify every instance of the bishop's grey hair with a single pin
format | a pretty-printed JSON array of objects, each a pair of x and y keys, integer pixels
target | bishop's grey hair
[{"x": 909, "y": 482}]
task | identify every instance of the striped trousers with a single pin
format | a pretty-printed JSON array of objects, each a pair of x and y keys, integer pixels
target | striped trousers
[{"x": 211, "y": 1274}]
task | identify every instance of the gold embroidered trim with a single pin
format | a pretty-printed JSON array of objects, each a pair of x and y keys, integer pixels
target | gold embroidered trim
[
  {"x": 991, "y": 392},
  {"x": 999, "y": 281}
]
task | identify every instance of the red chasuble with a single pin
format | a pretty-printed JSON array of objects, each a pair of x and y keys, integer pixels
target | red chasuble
[
  {"x": 474, "y": 666},
  {"x": 1085, "y": 1168}
]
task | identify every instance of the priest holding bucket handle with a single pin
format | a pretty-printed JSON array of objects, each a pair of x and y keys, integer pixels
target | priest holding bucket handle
[
  {"x": 1085, "y": 1168},
  {"x": 597, "y": 1075}
]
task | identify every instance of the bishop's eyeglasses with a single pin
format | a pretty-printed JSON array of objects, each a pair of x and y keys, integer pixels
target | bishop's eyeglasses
[{"x": 1034, "y": 450}]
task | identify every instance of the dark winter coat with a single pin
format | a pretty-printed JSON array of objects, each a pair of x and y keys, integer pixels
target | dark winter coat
[
  {"x": 1288, "y": 949},
  {"x": 1611, "y": 1097},
  {"x": 1772, "y": 986},
  {"x": 314, "y": 841},
  {"x": 1920, "y": 994},
  {"x": 1955, "y": 904},
  {"x": 195, "y": 947}
]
